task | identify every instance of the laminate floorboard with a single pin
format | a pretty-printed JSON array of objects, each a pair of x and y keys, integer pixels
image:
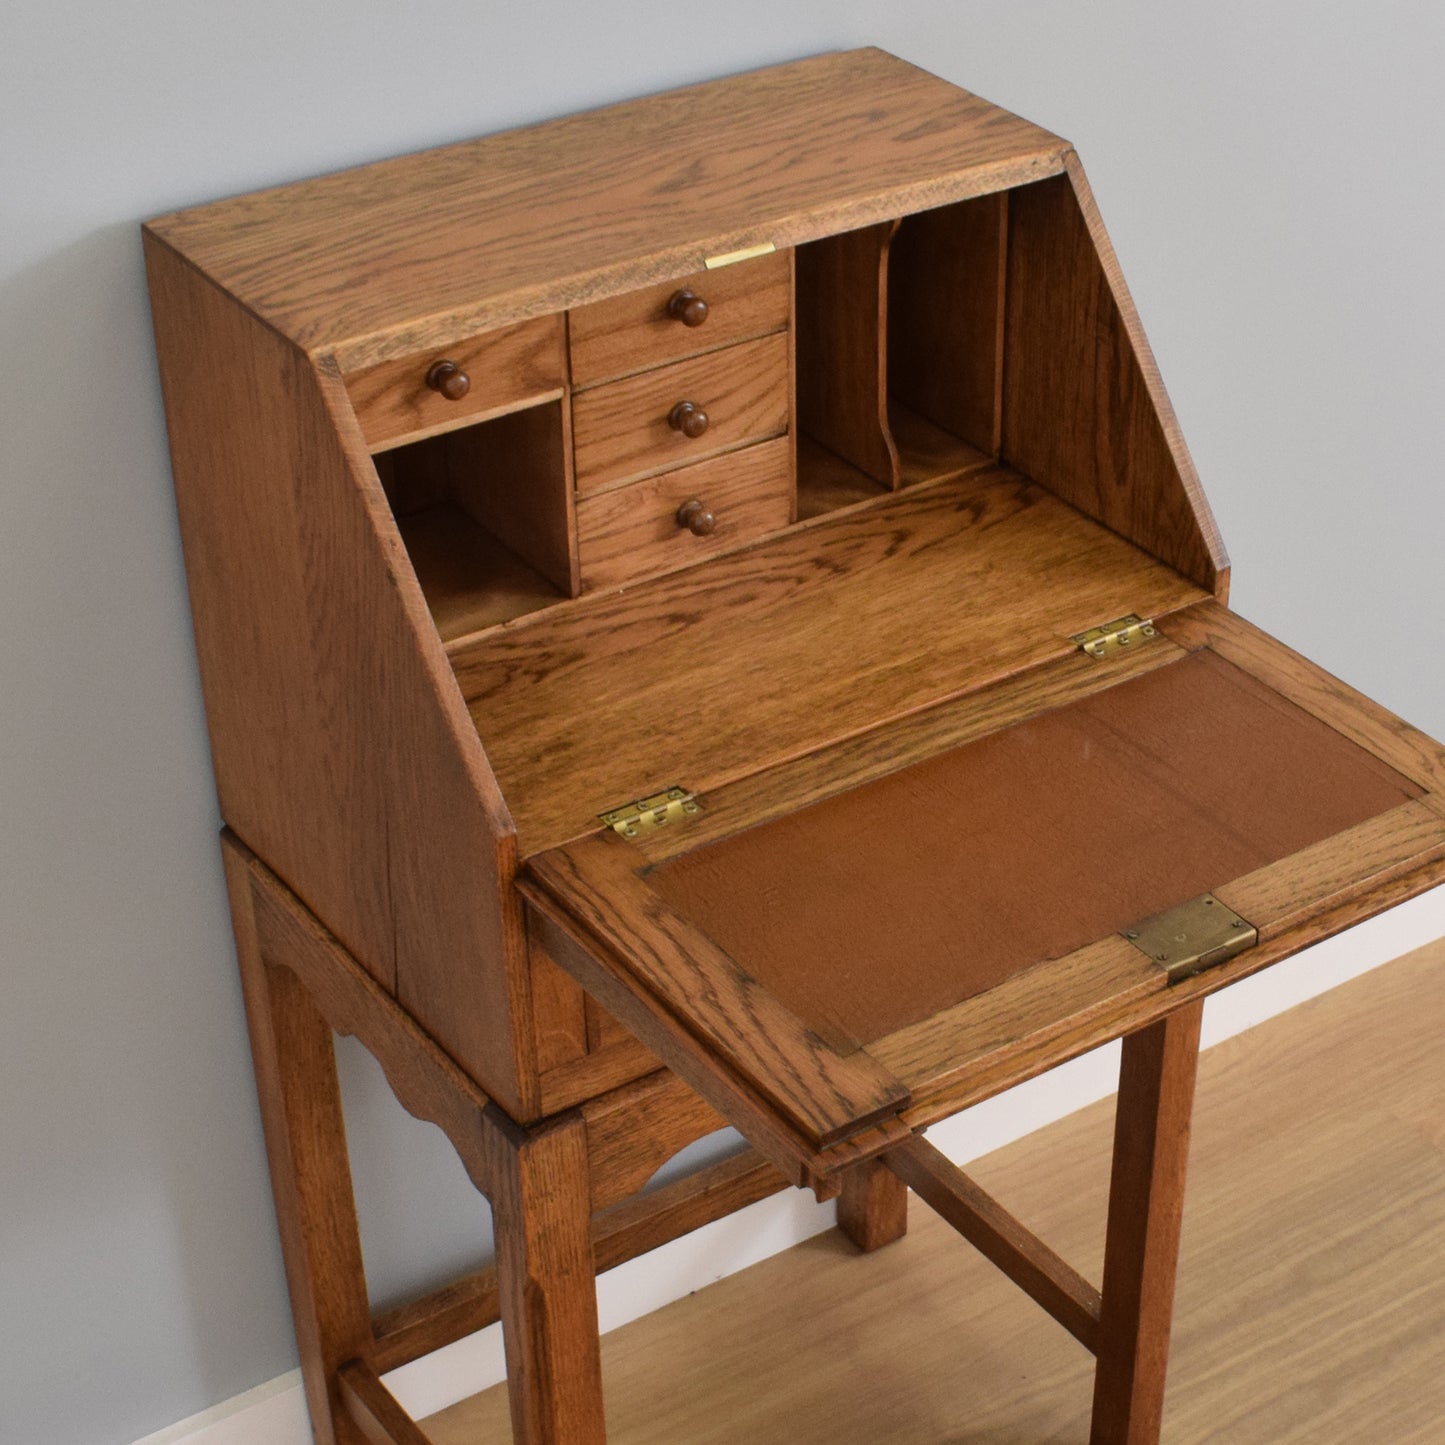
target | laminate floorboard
[{"x": 1311, "y": 1304}]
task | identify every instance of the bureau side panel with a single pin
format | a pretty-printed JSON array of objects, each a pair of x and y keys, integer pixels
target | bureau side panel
[
  {"x": 343, "y": 752},
  {"x": 1085, "y": 412}
]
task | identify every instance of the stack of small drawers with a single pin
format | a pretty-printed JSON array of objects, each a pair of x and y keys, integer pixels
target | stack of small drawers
[{"x": 681, "y": 409}]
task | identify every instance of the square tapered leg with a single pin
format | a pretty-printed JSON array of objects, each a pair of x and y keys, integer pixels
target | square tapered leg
[{"x": 1146, "y": 1210}]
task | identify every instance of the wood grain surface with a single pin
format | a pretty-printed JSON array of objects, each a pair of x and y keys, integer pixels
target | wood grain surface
[
  {"x": 546, "y": 1285},
  {"x": 426, "y": 1083},
  {"x": 300, "y": 1101},
  {"x": 1153, "y": 1117},
  {"x": 842, "y": 340},
  {"x": 634, "y": 332},
  {"x": 792, "y": 645},
  {"x": 1310, "y": 1303},
  {"x": 873, "y": 1206},
  {"x": 608, "y": 1064},
  {"x": 295, "y": 330},
  {"x": 469, "y": 580},
  {"x": 512, "y": 478},
  {"x": 621, "y": 1156},
  {"x": 712, "y": 1073},
  {"x": 946, "y": 271},
  {"x": 1007, "y": 1033},
  {"x": 621, "y": 430},
  {"x": 621, "y": 1232},
  {"x": 634, "y": 1226},
  {"x": 1085, "y": 412},
  {"x": 337, "y": 732},
  {"x": 633, "y": 532},
  {"x": 780, "y": 791},
  {"x": 414, "y": 253},
  {"x": 512, "y": 367},
  {"x": 1057, "y": 1011},
  {"x": 823, "y": 1087},
  {"x": 374, "y": 1409}
]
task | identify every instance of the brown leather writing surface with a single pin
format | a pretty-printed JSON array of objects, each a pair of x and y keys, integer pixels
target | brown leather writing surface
[{"x": 881, "y": 906}]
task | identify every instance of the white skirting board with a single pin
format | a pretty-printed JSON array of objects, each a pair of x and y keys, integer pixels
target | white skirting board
[{"x": 275, "y": 1413}]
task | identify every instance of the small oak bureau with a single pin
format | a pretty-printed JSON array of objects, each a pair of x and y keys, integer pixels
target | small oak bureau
[{"x": 706, "y": 617}]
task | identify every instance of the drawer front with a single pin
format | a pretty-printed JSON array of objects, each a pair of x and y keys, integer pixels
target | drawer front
[
  {"x": 634, "y": 332},
  {"x": 623, "y": 430},
  {"x": 505, "y": 369},
  {"x": 633, "y": 532}
]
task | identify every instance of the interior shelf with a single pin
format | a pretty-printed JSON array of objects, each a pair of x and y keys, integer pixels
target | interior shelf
[
  {"x": 470, "y": 580},
  {"x": 926, "y": 453},
  {"x": 827, "y": 482},
  {"x": 486, "y": 514},
  {"x": 899, "y": 353}
]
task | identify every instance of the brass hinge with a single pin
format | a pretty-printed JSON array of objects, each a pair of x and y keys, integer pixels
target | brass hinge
[
  {"x": 646, "y": 815},
  {"x": 1112, "y": 636},
  {"x": 1194, "y": 936}
]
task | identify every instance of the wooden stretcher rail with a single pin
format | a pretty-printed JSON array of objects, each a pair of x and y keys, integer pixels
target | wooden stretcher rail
[
  {"x": 374, "y": 1410},
  {"x": 620, "y": 1233},
  {"x": 1042, "y": 1275}
]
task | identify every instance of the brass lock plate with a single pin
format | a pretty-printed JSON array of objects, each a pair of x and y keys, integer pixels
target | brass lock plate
[{"x": 1194, "y": 936}]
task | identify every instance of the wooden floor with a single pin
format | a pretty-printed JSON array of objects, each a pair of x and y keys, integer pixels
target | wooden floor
[{"x": 1311, "y": 1300}]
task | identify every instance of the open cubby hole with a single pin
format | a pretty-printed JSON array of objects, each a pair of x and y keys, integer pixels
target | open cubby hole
[
  {"x": 899, "y": 339},
  {"x": 485, "y": 514}
]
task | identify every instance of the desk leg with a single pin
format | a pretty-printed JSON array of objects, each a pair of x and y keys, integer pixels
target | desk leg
[
  {"x": 310, "y": 1172},
  {"x": 873, "y": 1207},
  {"x": 1146, "y": 1209},
  {"x": 541, "y": 1215}
]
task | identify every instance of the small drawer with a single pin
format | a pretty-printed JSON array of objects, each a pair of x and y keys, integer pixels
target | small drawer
[
  {"x": 679, "y": 318},
  {"x": 638, "y": 531},
  {"x": 415, "y": 397},
  {"x": 643, "y": 424}
]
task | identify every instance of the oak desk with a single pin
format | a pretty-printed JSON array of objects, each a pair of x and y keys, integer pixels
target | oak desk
[{"x": 706, "y": 615}]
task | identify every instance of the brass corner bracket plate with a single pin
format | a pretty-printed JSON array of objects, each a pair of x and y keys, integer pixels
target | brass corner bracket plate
[
  {"x": 1114, "y": 636},
  {"x": 1194, "y": 936},
  {"x": 647, "y": 815}
]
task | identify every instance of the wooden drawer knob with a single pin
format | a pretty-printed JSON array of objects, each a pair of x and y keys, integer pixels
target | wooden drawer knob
[
  {"x": 449, "y": 379},
  {"x": 688, "y": 418},
  {"x": 688, "y": 307},
  {"x": 696, "y": 518}
]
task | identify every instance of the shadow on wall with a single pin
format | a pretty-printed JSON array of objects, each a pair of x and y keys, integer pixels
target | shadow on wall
[{"x": 134, "y": 1180}]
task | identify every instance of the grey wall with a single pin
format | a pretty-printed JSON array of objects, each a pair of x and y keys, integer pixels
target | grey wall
[{"x": 1271, "y": 176}]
